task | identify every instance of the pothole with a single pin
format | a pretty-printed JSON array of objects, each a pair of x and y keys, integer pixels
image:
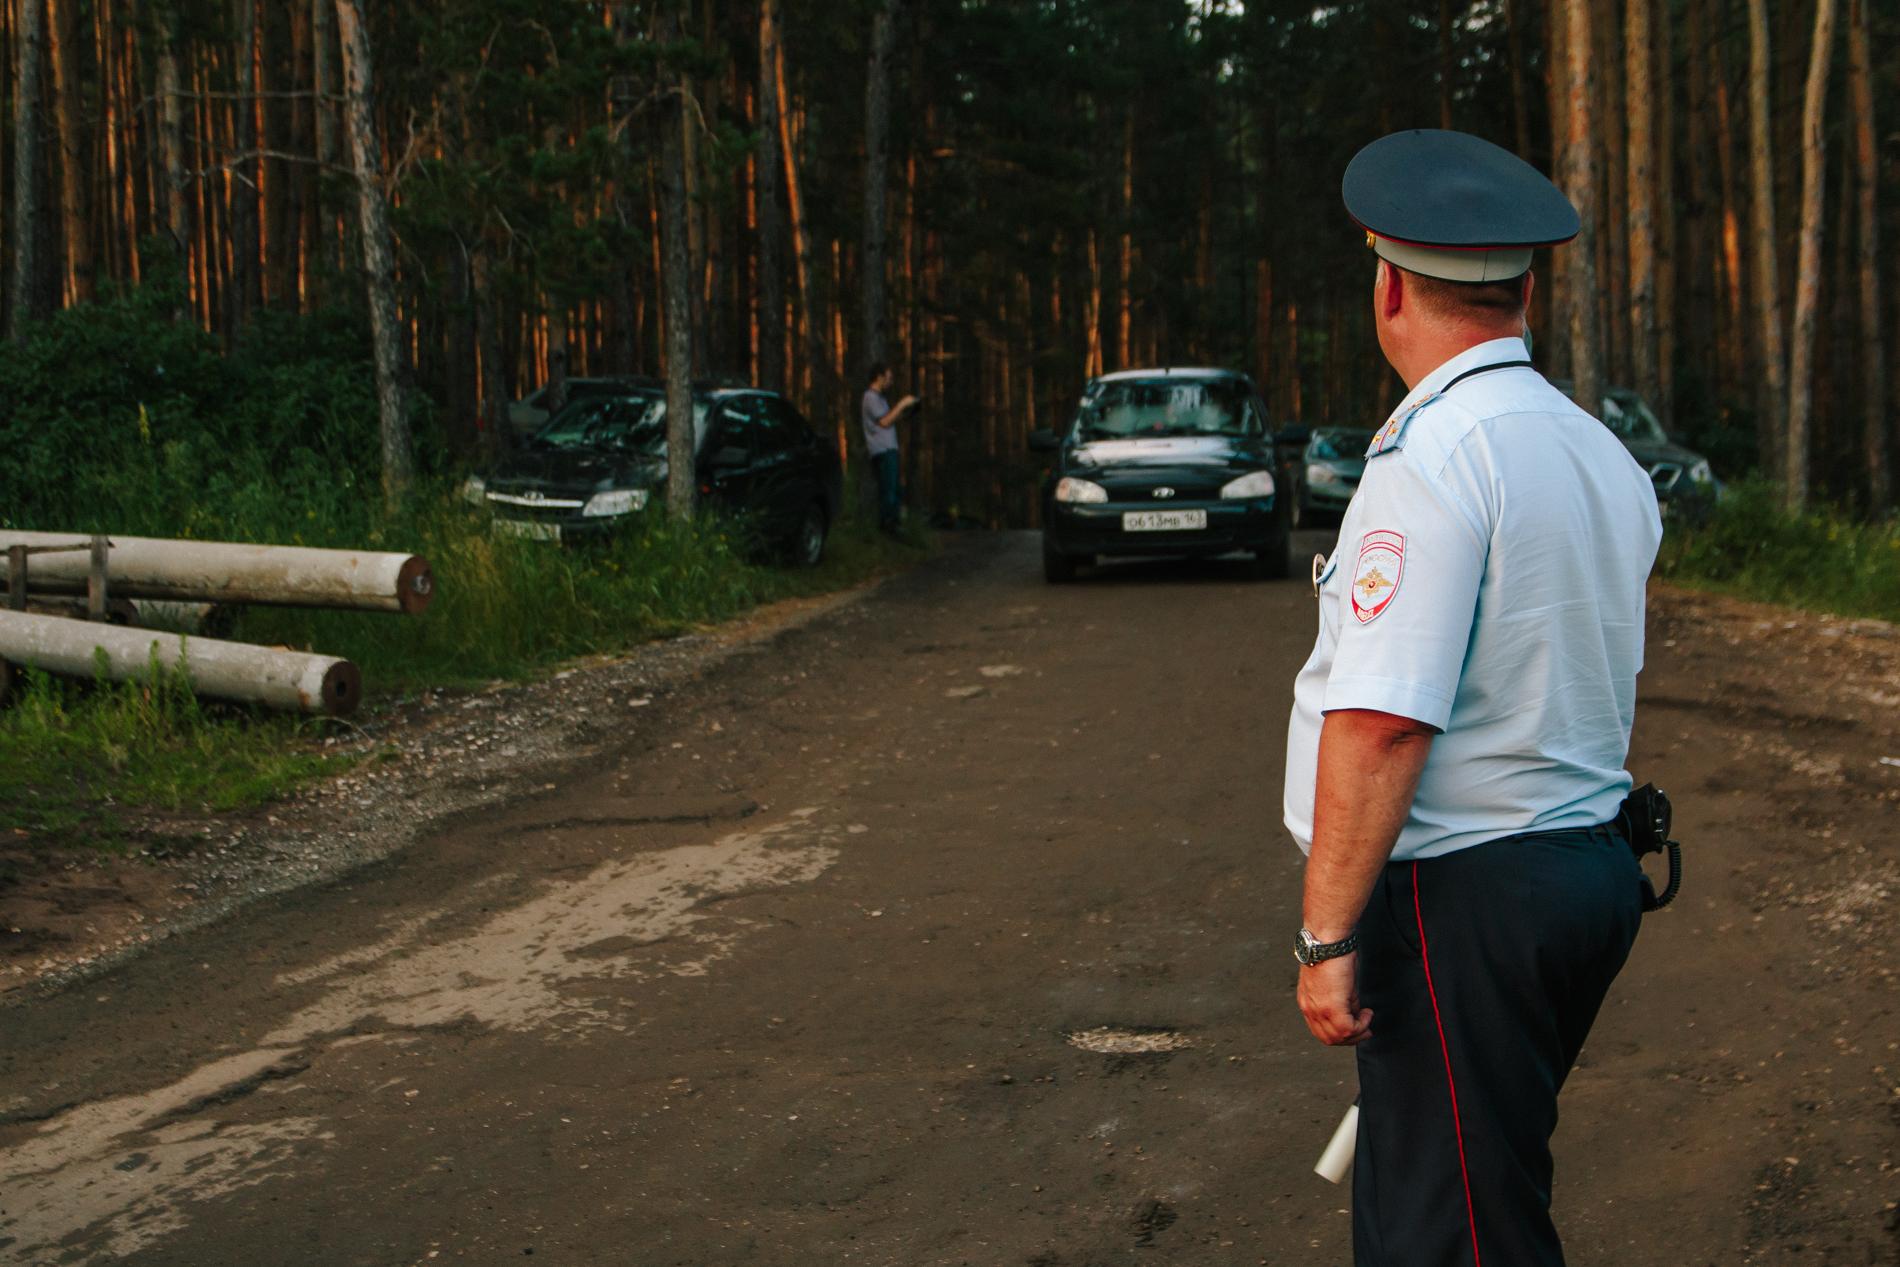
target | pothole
[{"x": 1129, "y": 1040}]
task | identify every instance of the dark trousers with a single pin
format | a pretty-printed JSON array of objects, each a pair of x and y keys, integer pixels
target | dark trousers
[
  {"x": 890, "y": 492},
  {"x": 1484, "y": 970}
]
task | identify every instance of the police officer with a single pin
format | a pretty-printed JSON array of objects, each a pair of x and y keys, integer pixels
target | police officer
[{"x": 1458, "y": 735}]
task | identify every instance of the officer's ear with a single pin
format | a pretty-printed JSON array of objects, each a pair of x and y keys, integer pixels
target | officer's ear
[
  {"x": 1530, "y": 284},
  {"x": 1389, "y": 294}
]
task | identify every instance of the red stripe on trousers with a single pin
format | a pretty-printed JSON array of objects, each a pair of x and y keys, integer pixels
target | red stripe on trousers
[{"x": 1451, "y": 1083}]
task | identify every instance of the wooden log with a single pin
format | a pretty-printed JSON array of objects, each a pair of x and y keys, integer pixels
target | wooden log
[
  {"x": 294, "y": 681},
  {"x": 219, "y": 572}
]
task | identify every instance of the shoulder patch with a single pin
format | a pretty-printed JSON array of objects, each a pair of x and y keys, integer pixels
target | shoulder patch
[
  {"x": 1392, "y": 435},
  {"x": 1375, "y": 580}
]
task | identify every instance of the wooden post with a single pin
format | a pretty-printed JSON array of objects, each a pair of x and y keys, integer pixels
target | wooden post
[
  {"x": 16, "y": 577},
  {"x": 95, "y": 578}
]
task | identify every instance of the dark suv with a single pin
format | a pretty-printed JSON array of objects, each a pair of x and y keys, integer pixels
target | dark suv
[
  {"x": 1163, "y": 462},
  {"x": 602, "y": 458}
]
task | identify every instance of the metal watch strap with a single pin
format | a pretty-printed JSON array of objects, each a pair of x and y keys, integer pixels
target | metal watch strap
[{"x": 1309, "y": 950}]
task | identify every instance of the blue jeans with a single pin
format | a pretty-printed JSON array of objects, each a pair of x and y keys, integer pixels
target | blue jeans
[{"x": 890, "y": 493}]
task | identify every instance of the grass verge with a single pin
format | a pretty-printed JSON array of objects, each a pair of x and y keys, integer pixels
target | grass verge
[
  {"x": 1820, "y": 560},
  {"x": 74, "y": 756}
]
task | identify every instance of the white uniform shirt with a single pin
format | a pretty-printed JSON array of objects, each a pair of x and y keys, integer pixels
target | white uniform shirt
[{"x": 1488, "y": 581}]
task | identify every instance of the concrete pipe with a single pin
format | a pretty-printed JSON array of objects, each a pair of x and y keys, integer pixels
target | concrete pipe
[
  {"x": 290, "y": 680},
  {"x": 220, "y": 572}
]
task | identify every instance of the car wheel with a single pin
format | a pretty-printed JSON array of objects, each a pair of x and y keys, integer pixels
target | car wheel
[
  {"x": 1057, "y": 568},
  {"x": 1275, "y": 563},
  {"x": 808, "y": 544}
]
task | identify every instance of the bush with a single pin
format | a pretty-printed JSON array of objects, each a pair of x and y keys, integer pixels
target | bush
[{"x": 1822, "y": 560}]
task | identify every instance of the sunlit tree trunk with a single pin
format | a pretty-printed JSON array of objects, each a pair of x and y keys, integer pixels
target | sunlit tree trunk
[
  {"x": 379, "y": 255},
  {"x": 1866, "y": 162},
  {"x": 1807, "y": 286},
  {"x": 771, "y": 217},
  {"x": 1580, "y": 178},
  {"x": 75, "y": 222},
  {"x": 1774, "y": 359},
  {"x": 1640, "y": 188}
]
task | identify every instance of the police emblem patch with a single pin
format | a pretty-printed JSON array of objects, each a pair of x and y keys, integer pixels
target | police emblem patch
[{"x": 1376, "y": 578}]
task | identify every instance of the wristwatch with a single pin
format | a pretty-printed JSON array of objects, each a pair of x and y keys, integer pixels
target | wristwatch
[{"x": 1310, "y": 950}]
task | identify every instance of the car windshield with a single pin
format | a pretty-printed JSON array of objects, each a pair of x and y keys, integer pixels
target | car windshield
[
  {"x": 630, "y": 423},
  {"x": 1339, "y": 443},
  {"x": 1631, "y": 419},
  {"x": 1138, "y": 408}
]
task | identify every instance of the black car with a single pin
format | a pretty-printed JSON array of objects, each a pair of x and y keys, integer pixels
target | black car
[
  {"x": 1163, "y": 462},
  {"x": 602, "y": 458},
  {"x": 1684, "y": 483}
]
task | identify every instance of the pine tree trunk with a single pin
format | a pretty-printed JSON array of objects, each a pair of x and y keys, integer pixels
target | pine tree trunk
[
  {"x": 1580, "y": 177},
  {"x": 676, "y": 284},
  {"x": 1613, "y": 249},
  {"x": 1125, "y": 277},
  {"x": 246, "y": 277},
  {"x": 1557, "y": 101},
  {"x": 1774, "y": 358},
  {"x": 171, "y": 135},
  {"x": 1875, "y": 447},
  {"x": 379, "y": 256},
  {"x": 75, "y": 222},
  {"x": 1641, "y": 188},
  {"x": 771, "y": 218},
  {"x": 30, "y": 42},
  {"x": 1807, "y": 287},
  {"x": 877, "y": 132},
  {"x": 801, "y": 234},
  {"x": 328, "y": 80},
  {"x": 1668, "y": 276}
]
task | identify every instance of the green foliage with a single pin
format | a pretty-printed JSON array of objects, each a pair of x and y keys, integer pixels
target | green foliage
[
  {"x": 1822, "y": 560},
  {"x": 68, "y": 751}
]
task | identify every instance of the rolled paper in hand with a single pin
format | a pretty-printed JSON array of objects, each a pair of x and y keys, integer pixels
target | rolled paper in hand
[{"x": 1337, "y": 1159}]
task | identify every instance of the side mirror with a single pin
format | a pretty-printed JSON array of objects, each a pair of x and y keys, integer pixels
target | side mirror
[
  {"x": 730, "y": 458},
  {"x": 1044, "y": 440}
]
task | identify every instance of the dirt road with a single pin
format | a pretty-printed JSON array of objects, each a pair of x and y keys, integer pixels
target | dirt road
[{"x": 797, "y": 982}]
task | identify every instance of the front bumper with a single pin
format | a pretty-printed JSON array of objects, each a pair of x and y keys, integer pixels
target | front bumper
[
  {"x": 558, "y": 529},
  {"x": 1251, "y": 524},
  {"x": 1328, "y": 496}
]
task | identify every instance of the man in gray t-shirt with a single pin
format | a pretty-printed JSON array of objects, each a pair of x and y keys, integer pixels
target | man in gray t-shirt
[{"x": 880, "y": 418}]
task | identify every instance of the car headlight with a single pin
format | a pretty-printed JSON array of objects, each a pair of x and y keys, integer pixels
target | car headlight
[
  {"x": 1253, "y": 484},
  {"x": 1071, "y": 489},
  {"x": 475, "y": 491},
  {"x": 1701, "y": 474},
  {"x": 615, "y": 501},
  {"x": 1319, "y": 473}
]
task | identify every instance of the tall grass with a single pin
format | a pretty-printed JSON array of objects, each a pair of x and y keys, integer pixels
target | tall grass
[{"x": 1821, "y": 560}]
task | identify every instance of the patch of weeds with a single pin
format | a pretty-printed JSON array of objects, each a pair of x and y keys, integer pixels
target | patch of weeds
[
  {"x": 73, "y": 756},
  {"x": 1822, "y": 559}
]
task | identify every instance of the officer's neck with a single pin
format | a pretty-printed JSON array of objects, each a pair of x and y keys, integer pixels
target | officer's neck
[{"x": 1426, "y": 347}]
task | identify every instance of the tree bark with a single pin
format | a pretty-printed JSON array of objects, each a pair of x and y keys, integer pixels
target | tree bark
[
  {"x": 676, "y": 284},
  {"x": 74, "y": 218},
  {"x": 1580, "y": 175},
  {"x": 771, "y": 217},
  {"x": 324, "y": 53},
  {"x": 801, "y": 233},
  {"x": 30, "y": 40},
  {"x": 1875, "y": 447},
  {"x": 1807, "y": 287},
  {"x": 1774, "y": 358},
  {"x": 379, "y": 257},
  {"x": 1556, "y": 295},
  {"x": 246, "y": 278},
  {"x": 1640, "y": 190},
  {"x": 171, "y": 135},
  {"x": 877, "y": 132}
]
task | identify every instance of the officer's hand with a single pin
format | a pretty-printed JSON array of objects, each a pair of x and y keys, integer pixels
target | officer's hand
[{"x": 1329, "y": 999}]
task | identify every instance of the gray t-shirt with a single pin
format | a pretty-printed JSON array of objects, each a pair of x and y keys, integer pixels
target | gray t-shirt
[{"x": 877, "y": 439}]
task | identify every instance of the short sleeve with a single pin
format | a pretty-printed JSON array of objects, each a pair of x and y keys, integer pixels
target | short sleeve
[{"x": 1407, "y": 589}]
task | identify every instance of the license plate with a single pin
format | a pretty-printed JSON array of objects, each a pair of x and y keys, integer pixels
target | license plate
[
  {"x": 1163, "y": 520},
  {"x": 528, "y": 529}
]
